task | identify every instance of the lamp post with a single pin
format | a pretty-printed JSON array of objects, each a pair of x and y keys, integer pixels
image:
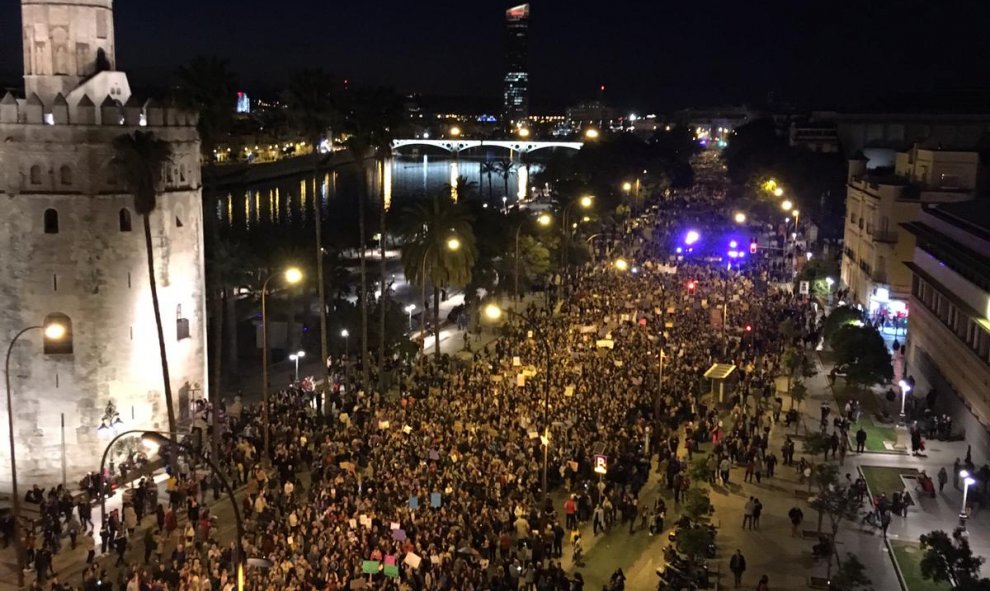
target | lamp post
[
  {"x": 53, "y": 331},
  {"x": 584, "y": 202},
  {"x": 740, "y": 218},
  {"x": 905, "y": 390},
  {"x": 453, "y": 244},
  {"x": 494, "y": 312},
  {"x": 292, "y": 275},
  {"x": 346, "y": 335},
  {"x": 296, "y": 357},
  {"x": 829, "y": 282},
  {"x": 160, "y": 438},
  {"x": 409, "y": 310},
  {"x": 543, "y": 220},
  {"x": 968, "y": 481}
]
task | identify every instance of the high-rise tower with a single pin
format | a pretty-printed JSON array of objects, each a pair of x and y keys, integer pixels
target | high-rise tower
[
  {"x": 71, "y": 243},
  {"x": 516, "y": 93}
]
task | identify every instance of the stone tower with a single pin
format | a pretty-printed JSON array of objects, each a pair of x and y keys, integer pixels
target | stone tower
[{"x": 71, "y": 243}]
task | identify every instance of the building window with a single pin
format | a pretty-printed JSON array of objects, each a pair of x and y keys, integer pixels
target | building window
[
  {"x": 51, "y": 221},
  {"x": 102, "y": 26},
  {"x": 36, "y": 174},
  {"x": 178, "y": 222},
  {"x": 124, "y": 220},
  {"x": 62, "y": 346},
  {"x": 65, "y": 174},
  {"x": 181, "y": 324}
]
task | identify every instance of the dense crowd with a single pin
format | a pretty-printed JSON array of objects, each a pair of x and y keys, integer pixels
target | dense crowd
[{"x": 437, "y": 484}]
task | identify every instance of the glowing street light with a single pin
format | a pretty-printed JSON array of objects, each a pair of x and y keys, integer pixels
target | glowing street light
[
  {"x": 455, "y": 131},
  {"x": 586, "y": 201},
  {"x": 968, "y": 481},
  {"x": 523, "y": 132},
  {"x": 627, "y": 186},
  {"x": 409, "y": 310},
  {"x": 692, "y": 237},
  {"x": 453, "y": 244},
  {"x": 829, "y": 282},
  {"x": 621, "y": 264},
  {"x": 778, "y": 192},
  {"x": 786, "y": 205},
  {"x": 740, "y": 218},
  {"x": 296, "y": 357},
  {"x": 905, "y": 390},
  {"x": 544, "y": 219},
  {"x": 291, "y": 276},
  {"x": 591, "y": 133}
]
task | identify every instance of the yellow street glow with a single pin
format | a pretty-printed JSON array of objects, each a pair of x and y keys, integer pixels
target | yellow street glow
[
  {"x": 627, "y": 186},
  {"x": 786, "y": 205},
  {"x": 453, "y": 244},
  {"x": 586, "y": 201},
  {"x": 493, "y": 312},
  {"x": 621, "y": 264},
  {"x": 740, "y": 218},
  {"x": 293, "y": 275},
  {"x": 544, "y": 219},
  {"x": 591, "y": 133}
]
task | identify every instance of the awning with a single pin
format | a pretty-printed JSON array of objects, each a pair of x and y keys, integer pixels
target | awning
[{"x": 720, "y": 371}]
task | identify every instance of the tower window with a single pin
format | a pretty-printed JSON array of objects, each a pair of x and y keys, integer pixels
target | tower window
[
  {"x": 102, "y": 27},
  {"x": 51, "y": 221},
  {"x": 124, "y": 220},
  {"x": 178, "y": 222},
  {"x": 36, "y": 175},
  {"x": 65, "y": 174}
]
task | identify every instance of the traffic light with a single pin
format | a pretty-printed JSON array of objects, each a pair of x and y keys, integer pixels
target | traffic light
[
  {"x": 749, "y": 328},
  {"x": 690, "y": 287},
  {"x": 752, "y": 246}
]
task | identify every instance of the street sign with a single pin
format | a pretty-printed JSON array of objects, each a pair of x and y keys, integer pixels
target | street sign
[
  {"x": 601, "y": 464},
  {"x": 804, "y": 287}
]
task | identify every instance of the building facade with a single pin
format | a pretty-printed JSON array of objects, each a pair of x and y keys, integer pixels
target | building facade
[
  {"x": 948, "y": 346},
  {"x": 515, "y": 97},
  {"x": 878, "y": 201},
  {"x": 73, "y": 245}
]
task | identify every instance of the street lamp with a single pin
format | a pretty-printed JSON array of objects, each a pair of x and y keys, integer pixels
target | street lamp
[
  {"x": 905, "y": 390},
  {"x": 296, "y": 357},
  {"x": 453, "y": 244},
  {"x": 345, "y": 334},
  {"x": 493, "y": 312},
  {"x": 585, "y": 201},
  {"x": 778, "y": 192},
  {"x": 591, "y": 133},
  {"x": 523, "y": 132},
  {"x": 291, "y": 276},
  {"x": 786, "y": 205},
  {"x": 455, "y": 131},
  {"x": 740, "y": 218},
  {"x": 621, "y": 264},
  {"x": 968, "y": 481},
  {"x": 409, "y": 310},
  {"x": 54, "y": 331},
  {"x": 627, "y": 186}
]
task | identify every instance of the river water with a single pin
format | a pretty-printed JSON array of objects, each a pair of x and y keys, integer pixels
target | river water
[{"x": 285, "y": 203}]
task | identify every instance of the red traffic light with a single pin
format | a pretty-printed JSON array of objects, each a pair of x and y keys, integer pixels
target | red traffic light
[
  {"x": 690, "y": 286},
  {"x": 749, "y": 328},
  {"x": 752, "y": 247}
]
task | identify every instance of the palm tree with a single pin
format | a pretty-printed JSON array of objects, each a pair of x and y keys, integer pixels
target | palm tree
[
  {"x": 312, "y": 112},
  {"x": 140, "y": 159},
  {"x": 428, "y": 226},
  {"x": 505, "y": 169},
  {"x": 488, "y": 167},
  {"x": 206, "y": 85},
  {"x": 374, "y": 117}
]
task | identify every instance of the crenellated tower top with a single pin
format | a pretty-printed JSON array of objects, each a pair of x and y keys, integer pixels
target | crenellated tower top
[{"x": 65, "y": 43}]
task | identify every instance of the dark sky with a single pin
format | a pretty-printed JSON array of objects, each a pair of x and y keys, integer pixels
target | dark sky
[{"x": 650, "y": 54}]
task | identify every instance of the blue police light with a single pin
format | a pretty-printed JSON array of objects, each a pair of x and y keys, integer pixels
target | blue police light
[{"x": 691, "y": 237}]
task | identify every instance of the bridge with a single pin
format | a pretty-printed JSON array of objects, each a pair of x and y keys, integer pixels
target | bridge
[{"x": 455, "y": 146}]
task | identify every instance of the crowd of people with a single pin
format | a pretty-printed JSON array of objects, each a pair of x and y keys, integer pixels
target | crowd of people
[{"x": 437, "y": 484}]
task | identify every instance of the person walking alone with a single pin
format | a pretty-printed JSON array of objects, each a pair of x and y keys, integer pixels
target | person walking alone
[{"x": 737, "y": 564}]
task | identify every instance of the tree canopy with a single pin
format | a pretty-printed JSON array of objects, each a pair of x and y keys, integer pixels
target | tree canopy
[
  {"x": 861, "y": 352},
  {"x": 949, "y": 559}
]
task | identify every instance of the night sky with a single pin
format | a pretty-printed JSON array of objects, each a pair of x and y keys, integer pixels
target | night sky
[{"x": 650, "y": 55}]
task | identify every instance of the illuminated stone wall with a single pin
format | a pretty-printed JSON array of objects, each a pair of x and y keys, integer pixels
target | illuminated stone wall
[{"x": 55, "y": 155}]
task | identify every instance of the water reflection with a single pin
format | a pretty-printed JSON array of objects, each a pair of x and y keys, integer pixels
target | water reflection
[{"x": 286, "y": 202}]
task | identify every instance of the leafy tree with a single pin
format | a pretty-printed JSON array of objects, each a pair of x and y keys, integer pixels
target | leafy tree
[
  {"x": 839, "y": 504},
  {"x": 310, "y": 104},
  {"x": 817, "y": 443},
  {"x": 949, "y": 559},
  {"x": 840, "y": 317},
  {"x": 427, "y": 228},
  {"x": 207, "y": 85},
  {"x": 816, "y": 271},
  {"x": 850, "y": 575},
  {"x": 139, "y": 159},
  {"x": 504, "y": 168},
  {"x": 863, "y": 354},
  {"x": 697, "y": 503},
  {"x": 693, "y": 542},
  {"x": 799, "y": 392},
  {"x": 488, "y": 168}
]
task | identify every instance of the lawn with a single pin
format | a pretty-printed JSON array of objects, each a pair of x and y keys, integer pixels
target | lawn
[
  {"x": 876, "y": 432},
  {"x": 882, "y": 479},
  {"x": 908, "y": 555}
]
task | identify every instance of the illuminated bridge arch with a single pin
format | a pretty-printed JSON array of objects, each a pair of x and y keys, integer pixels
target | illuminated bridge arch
[{"x": 454, "y": 146}]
